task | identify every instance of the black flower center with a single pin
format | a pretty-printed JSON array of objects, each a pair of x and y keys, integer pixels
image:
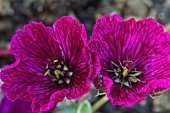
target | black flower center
[
  {"x": 59, "y": 72},
  {"x": 124, "y": 73}
]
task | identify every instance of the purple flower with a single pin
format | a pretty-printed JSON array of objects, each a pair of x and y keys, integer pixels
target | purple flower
[
  {"x": 51, "y": 64},
  {"x": 18, "y": 106},
  {"x": 133, "y": 57}
]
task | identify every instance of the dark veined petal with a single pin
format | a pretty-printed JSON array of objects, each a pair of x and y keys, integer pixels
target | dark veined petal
[
  {"x": 158, "y": 78},
  {"x": 17, "y": 77},
  {"x": 79, "y": 85},
  {"x": 45, "y": 96},
  {"x": 154, "y": 86},
  {"x": 121, "y": 96},
  {"x": 35, "y": 42},
  {"x": 72, "y": 39}
]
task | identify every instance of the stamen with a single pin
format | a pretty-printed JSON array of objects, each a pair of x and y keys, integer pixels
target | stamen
[
  {"x": 120, "y": 63},
  {"x": 62, "y": 62},
  {"x": 56, "y": 74},
  {"x": 133, "y": 79},
  {"x": 110, "y": 70},
  {"x": 122, "y": 83},
  {"x": 117, "y": 80},
  {"x": 54, "y": 80},
  {"x": 114, "y": 77},
  {"x": 70, "y": 73},
  {"x": 47, "y": 73},
  {"x": 67, "y": 81},
  {"x": 59, "y": 66},
  {"x": 135, "y": 74},
  {"x": 55, "y": 61},
  {"x": 115, "y": 64},
  {"x": 60, "y": 81},
  {"x": 127, "y": 84},
  {"x": 46, "y": 66},
  {"x": 65, "y": 68}
]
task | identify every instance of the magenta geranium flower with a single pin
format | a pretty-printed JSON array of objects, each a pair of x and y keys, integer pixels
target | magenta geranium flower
[
  {"x": 133, "y": 57},
  {"x": 50, "y": 64}
]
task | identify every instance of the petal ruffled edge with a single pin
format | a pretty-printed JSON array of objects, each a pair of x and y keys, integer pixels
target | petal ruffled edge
[
  {"x": 121, "y": 96},
  {"x": 155, "y": 86}
]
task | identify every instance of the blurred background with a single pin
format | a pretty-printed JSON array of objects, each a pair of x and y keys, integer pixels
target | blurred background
[{"x": 15, "y": 13}]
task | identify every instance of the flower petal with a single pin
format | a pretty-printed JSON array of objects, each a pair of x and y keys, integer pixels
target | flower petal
[
  {"x": 35, "y": 42},
  {"x": 17, "y": 77},
  {"x": 79, "y": 84},
  {"x": 94, "y": 62},
  {"x": 155, "y": 86},
  {"x": 72, "y": 38},
  {"x": 45, "y": 96},
  {"x": 121, "y": 96}
]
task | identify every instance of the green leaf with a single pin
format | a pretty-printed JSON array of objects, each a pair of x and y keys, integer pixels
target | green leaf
[{"x": 84, "y": 107}]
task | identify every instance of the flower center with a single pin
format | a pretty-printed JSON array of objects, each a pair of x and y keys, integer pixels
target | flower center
[
  {"x": 124, "y": 73},
  {"x": 59, "y": 72}
]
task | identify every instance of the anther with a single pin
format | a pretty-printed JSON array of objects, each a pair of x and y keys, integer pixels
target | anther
[
  {"x": 47, "y": 73},
  {"x": 59, "y": 66},
  {"x": 70, "y": 73},
  {"x": 133, "y": 79},
  {"x": 46, "y": 66},
  {"x": 60, "y": 81},
  {"x": 56, "y": 74},
  {"x": 55, "y": 61},
  {"x": 127, "y": 84},
  {"x": 67, "y": 81},
  {"x": 54, "y": 80},
  {"x": 65, "y": 68},
  {"x": 117, "y": 80}
]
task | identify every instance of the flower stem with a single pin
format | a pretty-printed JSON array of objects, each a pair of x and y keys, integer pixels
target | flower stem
[{"x": 99, "y": 103}]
